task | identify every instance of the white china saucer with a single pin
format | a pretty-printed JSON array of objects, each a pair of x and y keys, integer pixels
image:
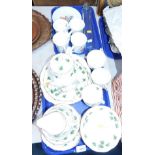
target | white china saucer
[{"x": 66, "y": 12}]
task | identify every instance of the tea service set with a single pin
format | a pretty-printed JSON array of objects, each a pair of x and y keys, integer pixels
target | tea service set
[{"x": 68, "y": 78}]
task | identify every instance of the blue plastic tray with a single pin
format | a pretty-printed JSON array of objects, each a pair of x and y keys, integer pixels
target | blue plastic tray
[
  {"x": 95, "y": 33},
  {"x": 81, "y": 108},
  {"x": 105, "y": 39}
]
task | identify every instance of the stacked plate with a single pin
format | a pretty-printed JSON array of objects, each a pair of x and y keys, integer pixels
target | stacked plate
[
  {"x": 36, "y": 94},
  {"x": 64, "y": 133},
  {"x": 100, "y": 129},
  {"x": 65, "y": 87}
]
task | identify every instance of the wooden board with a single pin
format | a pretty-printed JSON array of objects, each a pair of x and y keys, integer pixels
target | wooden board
[{"x": 61, "y": 2}]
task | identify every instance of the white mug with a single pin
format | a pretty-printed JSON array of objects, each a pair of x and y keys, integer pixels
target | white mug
[
  {"x": 101, "y": 76},
  {"x": 76, "y": 25},
  {"x": 78, "y": 40},
  {"x": 61, "y": 40},
  {"x": 60, "y": 25},
  {"x": 92, "y": 95}
]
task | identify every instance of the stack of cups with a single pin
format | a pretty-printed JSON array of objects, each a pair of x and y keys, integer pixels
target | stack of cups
[{"x": 69, "y": 31}]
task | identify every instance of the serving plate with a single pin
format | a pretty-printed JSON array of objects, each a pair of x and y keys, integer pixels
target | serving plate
[{"x": 100, "y": 128}]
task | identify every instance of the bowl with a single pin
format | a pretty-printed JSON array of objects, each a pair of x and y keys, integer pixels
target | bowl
[
  {"x": 101, "y": 76},
  {"x": 96, "y": 59},
  {"x": 92, "y": 95}
]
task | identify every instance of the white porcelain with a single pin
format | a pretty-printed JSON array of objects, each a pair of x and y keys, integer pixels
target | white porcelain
[
  {"x": 101, "y": 76},
  {"x": 66, "y": 94},
  {"x": 61, "y": 40},
  {"x": 62, "y": 147},
  {"x": 61, "y": 25},
  {"x": 78, "y": 40},
  {"x": 70, "y": 136},
  {"x": 53, "y": 123},
  {"x": 96, "y": 59},
  {"x": 66, "y": 13},
  {"x": 61, "y": 68},
  {"x": 61, "y": 64},
  {"x": 92, "y": 95},
  {"x": 76, "y": 25},
  {"x": 73, "y": 118},
  {"x": 100, "y": 128}
]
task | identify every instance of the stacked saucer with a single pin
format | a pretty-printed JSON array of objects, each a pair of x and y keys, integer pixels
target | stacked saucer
[
  {"x": 64, "y": 77},
  {"x": 60, "y": 127}
]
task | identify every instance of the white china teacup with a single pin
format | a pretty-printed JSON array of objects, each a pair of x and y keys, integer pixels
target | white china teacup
[
  {"x": 101, "y": 76},
  {"x": 61, "y": 25},
  {"x": 96, "y": 59},
  {"x": 76, "y": 25},
  {"x": 61, "y": 40},
  {"x": 92, "y": 95},
  {"x": 62, "y": 69},
  {"x": 78, "y": 40}
]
